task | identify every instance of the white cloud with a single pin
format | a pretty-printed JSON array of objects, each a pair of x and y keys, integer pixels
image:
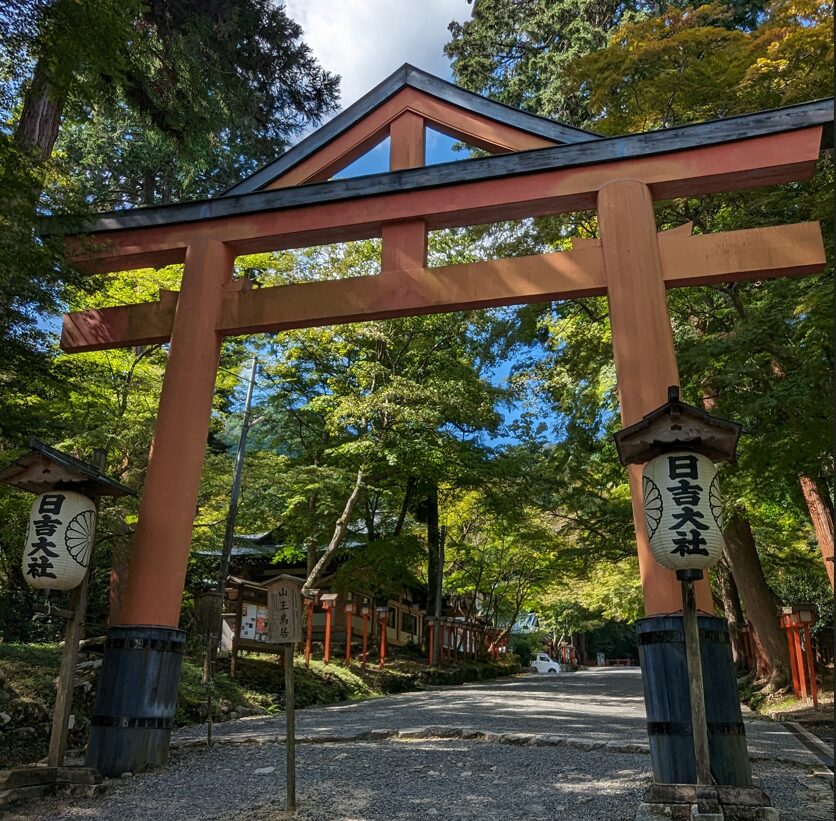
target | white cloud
[{"x": 366, "y": 40}]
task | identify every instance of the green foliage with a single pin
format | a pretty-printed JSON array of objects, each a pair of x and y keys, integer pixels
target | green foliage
[
  {"x": 383, "y": 568},
  {"x": 517, "y": 51},
  {"x": 525, "y": 646},
  {"x": 760, "y": 353},
  {"x": 615, "y": 639}
]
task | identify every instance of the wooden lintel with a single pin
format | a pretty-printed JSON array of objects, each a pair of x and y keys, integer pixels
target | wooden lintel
[
  {"x": 123, "y": 326},
  {"x": 316, "y": 215},
  {"x": 756, "y": 253},
  {"x": 415, "y": 292}
]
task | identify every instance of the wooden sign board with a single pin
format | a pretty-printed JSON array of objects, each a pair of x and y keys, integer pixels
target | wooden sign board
[
  {"x": 251, "y": 631},
  {"x": 284, "y": 610}
]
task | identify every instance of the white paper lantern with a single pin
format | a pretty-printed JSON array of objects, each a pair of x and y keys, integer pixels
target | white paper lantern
[
  {"x": 59, "y": 540},
  {"x": 683, "y": 510}
]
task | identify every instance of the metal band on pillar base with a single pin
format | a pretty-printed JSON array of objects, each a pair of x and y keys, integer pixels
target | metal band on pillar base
[
  {"x": 665, "y": 677},
  {"x": 136, "y": 699},
  {"x": 667, "y": 701}
]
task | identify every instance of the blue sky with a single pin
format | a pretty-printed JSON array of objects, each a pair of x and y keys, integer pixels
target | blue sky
[{"x": 364, "y": 41}]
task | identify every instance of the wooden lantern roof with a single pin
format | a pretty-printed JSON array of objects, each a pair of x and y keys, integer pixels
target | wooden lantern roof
[
  {"x": 43, "y": 468},
  {"x": 677, "y": 426}
]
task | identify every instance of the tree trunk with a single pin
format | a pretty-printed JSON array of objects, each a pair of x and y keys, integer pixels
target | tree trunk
[
  {"x": 581, "y": 648},
  {"x": 37, "y": 129},
  {"x": 733, "y": 613},
  {"x": 119, "y": 563},
  {"x": 758, "y": 599},
  {"x": 339, "y": 534},
  {"x": 310, "y": 542},
  {"x": 820, "y": 506},
  {"x": 407, "y": 501}
]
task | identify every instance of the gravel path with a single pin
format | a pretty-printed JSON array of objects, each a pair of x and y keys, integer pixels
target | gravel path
[
  {"x": 445, "y": 778},
  {"x": 605, "y": 704}
]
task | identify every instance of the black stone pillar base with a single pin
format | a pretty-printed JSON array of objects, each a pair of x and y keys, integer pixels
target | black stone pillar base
[
  {"x": 136, "y": 699},
  {"x": 667, "y": 699},
  {"x": 715, "y": 802}
]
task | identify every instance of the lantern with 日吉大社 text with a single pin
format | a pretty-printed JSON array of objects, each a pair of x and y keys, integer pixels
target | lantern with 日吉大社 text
[
  {"x": 59, "y": 540},
  {"x": 683, "y": 510}
]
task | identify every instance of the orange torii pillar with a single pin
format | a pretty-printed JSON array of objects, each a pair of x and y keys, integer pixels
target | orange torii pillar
[
  {"x": 142, "y": 672},
  {"x": 645, "y": 365}
]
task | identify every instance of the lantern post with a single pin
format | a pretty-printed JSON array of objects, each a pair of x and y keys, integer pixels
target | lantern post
[
  {"x": 678, "y": 445},
  {"x": 349, "y": 615},
  {"x": 329, "y": 602},
  {"x": 365, "y": 612},
  {"x": 59, "y": 548},
  {"x": 797, "y": 621},
  {"x": 382, "y": 618}
]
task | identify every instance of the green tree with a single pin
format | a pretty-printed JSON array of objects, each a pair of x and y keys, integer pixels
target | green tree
[{"x": 770, "y": 364}]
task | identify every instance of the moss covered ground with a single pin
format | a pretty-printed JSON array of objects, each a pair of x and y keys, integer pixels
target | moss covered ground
[{"x": 28, "y": 672}]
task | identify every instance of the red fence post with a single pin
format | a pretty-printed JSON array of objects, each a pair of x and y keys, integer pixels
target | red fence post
[{"x": 365, "y": 611}]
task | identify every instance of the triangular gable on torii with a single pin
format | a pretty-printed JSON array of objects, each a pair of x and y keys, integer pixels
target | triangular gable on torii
[{"x": 404, "y": 104}]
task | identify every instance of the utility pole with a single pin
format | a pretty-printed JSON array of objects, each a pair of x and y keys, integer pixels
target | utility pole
[
  {"x": 215, "y": 626},
  {"x": 232, "y": 515}
]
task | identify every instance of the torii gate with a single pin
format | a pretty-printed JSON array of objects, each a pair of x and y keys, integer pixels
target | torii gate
[{"x": 542, "y": 167}]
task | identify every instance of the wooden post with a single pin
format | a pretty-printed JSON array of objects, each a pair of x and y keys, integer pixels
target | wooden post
[
  {"x": 430, "y": 641},
  {"x": 811, "y": 667},
  {"x": 239, "y": 612},
  {"x": 645, "y": 360},
  {"x": 382, "y": 642},
  {"x": 163, "y": 536},
  {"x": 349, "y": 616},
  {"x": 327, "y": 635},
  {"x": 69, "y": 655},
  {"x": 365, "y": 638},
  {"x": 799, "y": 659},
  {"x": 309, "y": 607},
  {"x": 699, "y": 725},
  {"x": 796, "y": 686},
  {"x": 209, "y": 683},
  {"x": 290, "y": 735},
  {"x": 284, "y": 627},
  {"x": 66, "y": 677}
]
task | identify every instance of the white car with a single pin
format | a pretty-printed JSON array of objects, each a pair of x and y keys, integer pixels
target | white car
[{"x": 543, "y": 663}]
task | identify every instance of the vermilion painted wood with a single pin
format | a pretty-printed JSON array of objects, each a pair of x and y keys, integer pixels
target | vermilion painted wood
[
  {"x": 408, "y": 76},
  {"x": 811, "y": 665},
  {"x": 645, "y": 359},
  {"x": 458, "y": 123},
  {"x": 756, "y": 253},
  {"x": 407, "y": 141},
  {"x": 747, "y": 163},
  {"x": 404, "y": 244},
  {"x": 628, "y": 264},
  {"x": 163, "y": 535}
]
